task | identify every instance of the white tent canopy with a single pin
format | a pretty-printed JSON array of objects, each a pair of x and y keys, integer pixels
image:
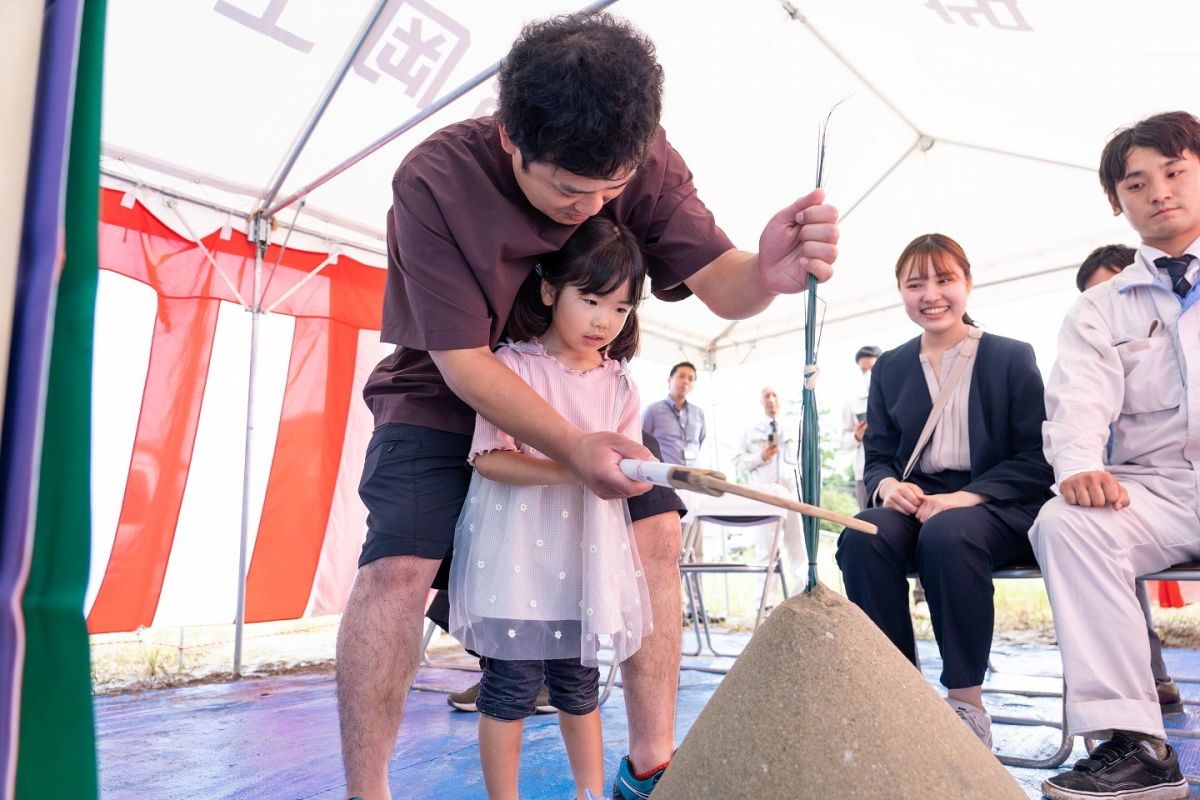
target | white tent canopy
[{"x": 980, "y": 118}]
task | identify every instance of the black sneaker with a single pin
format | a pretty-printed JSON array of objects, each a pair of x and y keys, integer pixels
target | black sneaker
[{"x": 1120, "y": 768}]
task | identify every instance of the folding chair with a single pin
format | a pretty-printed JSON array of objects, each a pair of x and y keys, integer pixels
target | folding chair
[
  {"x": 1066, "y": 742},
  {"x": 729, "y": 511},
  {"x": 1182, "y": 572}
]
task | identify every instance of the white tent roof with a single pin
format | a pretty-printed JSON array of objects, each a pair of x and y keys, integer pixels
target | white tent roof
[{"x": 983, "y": 119}]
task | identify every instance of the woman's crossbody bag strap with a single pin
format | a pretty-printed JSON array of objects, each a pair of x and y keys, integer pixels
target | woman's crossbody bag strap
[{"x": 965, "y": 356}]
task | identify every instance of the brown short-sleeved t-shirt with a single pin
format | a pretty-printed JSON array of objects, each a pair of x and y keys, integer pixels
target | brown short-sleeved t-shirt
[{"x": 462, "y": 238}]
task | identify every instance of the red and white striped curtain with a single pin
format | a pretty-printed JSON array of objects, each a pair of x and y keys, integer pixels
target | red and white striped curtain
[{"x": 171, "y": 367}]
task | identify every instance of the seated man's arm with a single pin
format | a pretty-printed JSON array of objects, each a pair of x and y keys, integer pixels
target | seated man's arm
[
  {"x": 499, "y": 395},
  {"x": 1083, "y": 399}
]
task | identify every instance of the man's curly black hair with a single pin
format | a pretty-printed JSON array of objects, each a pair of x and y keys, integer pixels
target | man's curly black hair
[{"x": 583, "y": 93}]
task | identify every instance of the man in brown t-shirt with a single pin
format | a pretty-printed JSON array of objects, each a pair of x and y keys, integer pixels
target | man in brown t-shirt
[{"x": 576, "y": 134}]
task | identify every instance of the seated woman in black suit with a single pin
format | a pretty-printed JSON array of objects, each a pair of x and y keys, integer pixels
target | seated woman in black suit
[{"x": 975, "y": 486}]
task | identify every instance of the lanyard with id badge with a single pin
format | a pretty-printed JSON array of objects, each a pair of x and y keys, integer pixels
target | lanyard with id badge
[{"x": 690, "y": 451}]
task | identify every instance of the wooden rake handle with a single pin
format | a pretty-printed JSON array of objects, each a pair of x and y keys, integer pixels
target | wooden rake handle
[{"x": 713, "y": 483}]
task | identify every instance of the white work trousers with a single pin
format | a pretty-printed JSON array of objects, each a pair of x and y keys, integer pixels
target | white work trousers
[
  {"x": 794, "y": 555},
  {"x": 1090, "y": 558}
]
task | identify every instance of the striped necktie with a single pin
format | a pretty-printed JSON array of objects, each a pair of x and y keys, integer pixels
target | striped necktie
[{"x": 1177, "y": 268}]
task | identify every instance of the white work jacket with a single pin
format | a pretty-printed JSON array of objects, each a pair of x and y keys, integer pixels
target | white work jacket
[
  {"x": 782, "y": 467},
  {"x": 1118, "y": 398}
]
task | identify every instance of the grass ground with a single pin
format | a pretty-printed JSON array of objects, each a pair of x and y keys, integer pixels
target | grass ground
[{"x": 155, "y": 658}]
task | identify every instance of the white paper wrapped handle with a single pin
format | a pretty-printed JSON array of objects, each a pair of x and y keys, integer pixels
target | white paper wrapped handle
[{"x": 649, "y": 471}]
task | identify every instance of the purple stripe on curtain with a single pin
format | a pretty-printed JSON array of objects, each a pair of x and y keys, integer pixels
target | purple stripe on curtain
[{"x": 37, "y": 275}]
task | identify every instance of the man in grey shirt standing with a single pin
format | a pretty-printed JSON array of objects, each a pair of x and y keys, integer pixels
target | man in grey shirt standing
[{"x": 674, "y": 422}]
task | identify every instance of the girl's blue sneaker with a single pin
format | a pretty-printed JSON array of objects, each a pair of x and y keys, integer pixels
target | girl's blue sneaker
[{"x": 629, "y": 786}]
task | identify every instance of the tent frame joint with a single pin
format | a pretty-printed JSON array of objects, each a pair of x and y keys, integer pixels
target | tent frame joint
[{"x": 260, "y": 230}]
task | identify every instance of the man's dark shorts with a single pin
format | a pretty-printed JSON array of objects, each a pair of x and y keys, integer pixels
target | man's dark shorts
[{"x": 414, "y": 482}]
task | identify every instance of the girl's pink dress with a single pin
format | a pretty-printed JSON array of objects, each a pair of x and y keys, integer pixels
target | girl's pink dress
[{"x": 548, "y": 572}]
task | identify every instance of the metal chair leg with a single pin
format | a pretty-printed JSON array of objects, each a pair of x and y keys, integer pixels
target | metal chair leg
[
  {"x": 692, "y": 592},
  {"x": 701, "y": 619},
  {"x": 430, "y": 630},
  {"x": 1065, "y": 745},
  {"x": 773, "y": 569},
  {"x": 608, "y": 682},
  {"x": 1066, "y": 741}
]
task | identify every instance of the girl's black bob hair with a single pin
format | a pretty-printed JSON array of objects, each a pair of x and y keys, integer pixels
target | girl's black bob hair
[{"x": 600, "y": 256}]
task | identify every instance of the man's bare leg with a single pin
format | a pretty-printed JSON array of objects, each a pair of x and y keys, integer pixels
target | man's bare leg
[
  {"x": 651, "y": 675},
  {"x": 378, "y": 649}
]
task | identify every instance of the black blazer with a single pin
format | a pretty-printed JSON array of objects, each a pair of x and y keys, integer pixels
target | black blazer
[{"x": 1006, "y": 410}]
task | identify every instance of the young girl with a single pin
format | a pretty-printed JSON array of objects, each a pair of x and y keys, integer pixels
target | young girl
[
  {"x": 975, "y": 486},
  {"x": 545, "y": 572}
]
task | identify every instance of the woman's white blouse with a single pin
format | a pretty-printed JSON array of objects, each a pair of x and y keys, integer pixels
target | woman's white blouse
[{"x": 950, "y": 445}]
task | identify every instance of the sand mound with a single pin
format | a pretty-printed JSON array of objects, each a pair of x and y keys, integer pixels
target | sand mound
[{"x": 821, "y": 705}]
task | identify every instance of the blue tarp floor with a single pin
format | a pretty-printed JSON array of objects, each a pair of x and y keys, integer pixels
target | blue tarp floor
[{"x": 276, "y": 738}]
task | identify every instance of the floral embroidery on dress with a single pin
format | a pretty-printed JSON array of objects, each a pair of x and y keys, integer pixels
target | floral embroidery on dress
[{"x": 552, "y": 600}]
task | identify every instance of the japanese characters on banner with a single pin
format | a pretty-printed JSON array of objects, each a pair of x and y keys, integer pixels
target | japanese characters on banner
[
  {"x": 1002, "y": 14},
  {"x": 412, "y": 43}
]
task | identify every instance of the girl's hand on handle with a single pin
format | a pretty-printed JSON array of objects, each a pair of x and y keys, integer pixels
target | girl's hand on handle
[
  {"x": 595, "y": 460},
  {"x": 903, "y": 497}
]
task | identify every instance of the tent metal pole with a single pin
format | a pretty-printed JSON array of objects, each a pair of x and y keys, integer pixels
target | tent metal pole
[
  {"x": 714, "y": 344},
  {"x": 260, "y": 235},
  {"x": 1012, "y": 154},
  {"x": 323, "y": 102},
  {"x": 405, "y": 126},
  {"x": 918, "y": 142},
  {"x": 408, "y": 124},
  {"x": 710, "y": 366},
  {"x": 799, "y": 16},
  {"x": 237, "y": 213}
]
